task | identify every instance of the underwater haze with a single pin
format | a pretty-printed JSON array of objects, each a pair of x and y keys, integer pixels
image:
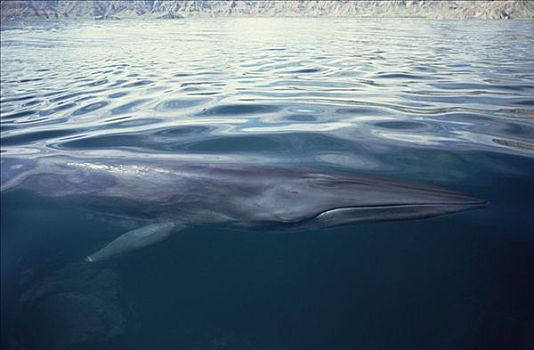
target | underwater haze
[{"x": 442, "y": 103}]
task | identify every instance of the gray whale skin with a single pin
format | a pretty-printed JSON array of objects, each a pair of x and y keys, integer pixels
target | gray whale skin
[{"x": 171, "y": 195}]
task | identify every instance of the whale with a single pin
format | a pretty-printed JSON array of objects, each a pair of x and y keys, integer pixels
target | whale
[{"x": 169, "y": 195}]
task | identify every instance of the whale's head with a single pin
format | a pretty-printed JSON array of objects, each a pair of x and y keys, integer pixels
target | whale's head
[{"x": 329, "y": 199}]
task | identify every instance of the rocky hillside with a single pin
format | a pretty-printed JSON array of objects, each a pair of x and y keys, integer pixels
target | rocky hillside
[{"x": 117, "y": 9}]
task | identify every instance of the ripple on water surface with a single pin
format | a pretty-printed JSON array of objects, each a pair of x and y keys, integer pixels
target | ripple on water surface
[{"x": 197, "y": 95}]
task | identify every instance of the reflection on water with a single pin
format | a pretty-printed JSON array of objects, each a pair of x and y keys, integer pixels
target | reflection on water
[{"x": 442, "y": 102}]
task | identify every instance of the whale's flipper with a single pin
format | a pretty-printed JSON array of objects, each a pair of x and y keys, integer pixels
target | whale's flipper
[{"x": 138, "y": 238}]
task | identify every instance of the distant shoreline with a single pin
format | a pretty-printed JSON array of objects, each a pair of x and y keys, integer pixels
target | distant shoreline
[{"x": 117, "y": 10}]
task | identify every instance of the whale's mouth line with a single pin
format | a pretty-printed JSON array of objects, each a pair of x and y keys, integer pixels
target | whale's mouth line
[
  {"x": 466, "y": 205},
  {"x": 473, "y": 204}
]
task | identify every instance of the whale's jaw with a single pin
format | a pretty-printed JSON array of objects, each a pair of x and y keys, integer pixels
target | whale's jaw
[{"x": 351, "y": 215}]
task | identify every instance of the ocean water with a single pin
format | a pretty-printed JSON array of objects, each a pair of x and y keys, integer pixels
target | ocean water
[{"x": 445, "y": 103}]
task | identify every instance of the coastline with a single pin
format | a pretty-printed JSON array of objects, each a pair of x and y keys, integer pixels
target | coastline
[{"x": 117, "y": 10}]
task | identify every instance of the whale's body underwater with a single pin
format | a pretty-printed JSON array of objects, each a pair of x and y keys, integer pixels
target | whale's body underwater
[{"x": 174, "y": 194}]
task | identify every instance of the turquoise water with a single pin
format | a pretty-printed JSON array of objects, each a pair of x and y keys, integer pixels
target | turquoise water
[{"x": 437, "y": 102}]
